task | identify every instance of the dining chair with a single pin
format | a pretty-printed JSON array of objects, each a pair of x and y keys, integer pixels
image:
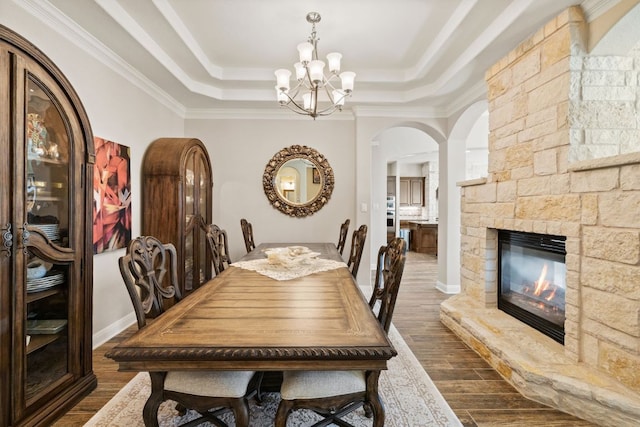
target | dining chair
[
  {"x": 334, "y": 394},
  {"x": 247, "y": 233},
  {"x": 357, "y": 246},
  {"x": 149, "y": 270},
  {"x": 219, "y": 247},
  {"x": 342, "y": 239}
]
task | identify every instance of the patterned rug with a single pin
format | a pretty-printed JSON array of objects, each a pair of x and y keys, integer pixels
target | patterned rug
[{"x": 410, "y": 398}]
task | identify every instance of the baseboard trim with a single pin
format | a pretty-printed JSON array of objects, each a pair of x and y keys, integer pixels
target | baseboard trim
[
  {"x": 113, "y": 329},
  {"x": 447, "y": 289}
]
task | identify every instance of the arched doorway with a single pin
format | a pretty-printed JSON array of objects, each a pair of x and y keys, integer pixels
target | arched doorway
[{"x": 406, "y": 149}]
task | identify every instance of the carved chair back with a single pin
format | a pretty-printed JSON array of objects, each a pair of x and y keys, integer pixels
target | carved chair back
[
  {"x": 219, "y": 247},
  {"x": 389, "y": 269},
  {"x": 149, "y": 270},
  {"x": 342, "y": 239},
  {"x": 247, "y": 233},
  {"x": 357, "y": 246}
]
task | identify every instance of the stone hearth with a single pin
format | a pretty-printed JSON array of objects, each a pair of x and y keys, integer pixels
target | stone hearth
[
  {"x": 538, "y": 367},
  {"x": 564, "y": 159}
]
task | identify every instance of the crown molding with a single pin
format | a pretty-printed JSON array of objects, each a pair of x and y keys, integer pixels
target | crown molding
[
  {"x": 260, "y": 114},
  {"x": 594, "y": 8},
  {"x": 60, "y": 23},
  {"x": 44, "y": 11}
]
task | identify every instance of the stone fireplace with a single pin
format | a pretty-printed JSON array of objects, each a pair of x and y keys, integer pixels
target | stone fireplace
[{"x": 564, "y": 162}]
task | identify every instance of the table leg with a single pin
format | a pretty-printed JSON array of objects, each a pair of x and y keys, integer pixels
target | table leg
[
  {"x": 373, "y": 397},
  {"x": 150, "y": 411}
]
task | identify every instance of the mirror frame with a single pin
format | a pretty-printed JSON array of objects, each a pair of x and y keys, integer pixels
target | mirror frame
[{"x": 298, "y": 209}]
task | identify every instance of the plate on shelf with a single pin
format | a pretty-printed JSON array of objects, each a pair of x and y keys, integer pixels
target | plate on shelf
[
  {"x": 45, "y": 326},
  {"x": 52, "y": 231},
  {"x": 42, "y": 283}
]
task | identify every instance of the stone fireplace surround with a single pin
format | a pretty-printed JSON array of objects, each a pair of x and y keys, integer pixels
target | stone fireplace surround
[{"x": 552, "y": 109}]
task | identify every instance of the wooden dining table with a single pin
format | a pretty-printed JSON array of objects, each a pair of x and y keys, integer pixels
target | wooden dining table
[{"x": 244, "y": 320}]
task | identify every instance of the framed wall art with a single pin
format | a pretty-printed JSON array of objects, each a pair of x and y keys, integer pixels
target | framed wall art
[{"x": 111, "y": 196}]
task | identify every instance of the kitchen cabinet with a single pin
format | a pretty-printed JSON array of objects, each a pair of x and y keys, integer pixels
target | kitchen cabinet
[
  {"x": 411, "y": 191},
  {"x": 177, "y": 204},
  {"x": 46, "y": 269},
  {"x": 424, "y": 237}
]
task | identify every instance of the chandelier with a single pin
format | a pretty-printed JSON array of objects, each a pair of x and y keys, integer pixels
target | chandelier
[{"x": 313, "y": 87}]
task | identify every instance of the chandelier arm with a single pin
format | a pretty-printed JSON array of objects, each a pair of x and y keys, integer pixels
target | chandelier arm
[
  {"x": 327, "y": 112},
  {"x": 292, "y": 105},
  {"x": 296, "y": 91},
  {"x": 330, "y": 109},
  {"x": 314, "y": 100},
  {"x": 311, "y": 85},
  {"x": 343, "y": 97},
  {"x": 300, "y": 112},
  {"x": 298, "y": 107},
  {"x": 328, "y": 89}
]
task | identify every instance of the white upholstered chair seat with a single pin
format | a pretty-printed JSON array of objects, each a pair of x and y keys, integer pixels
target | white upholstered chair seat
[
  {"x": 320, "y": 384},
  {"x": 212, "y": 383}
]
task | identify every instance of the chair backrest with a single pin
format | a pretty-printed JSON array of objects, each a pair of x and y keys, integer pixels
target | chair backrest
[
  {"x": 357, "y": 246},
  {"x": 219, "y": 247},
  {"x": 150, "y": 273},
  {"x": 247, "y": 233},
  {"x": 390, "y": 266},
  {"x": 344, "y": 231}
]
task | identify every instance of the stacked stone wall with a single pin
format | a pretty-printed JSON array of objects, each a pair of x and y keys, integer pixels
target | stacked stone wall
[
  {"x": 605, "y": 102},
  {"x": 550, "y": 104}
]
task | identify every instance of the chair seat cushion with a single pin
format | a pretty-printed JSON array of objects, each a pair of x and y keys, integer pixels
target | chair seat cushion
[
  {"x": 212, "y": 383},
  {"x": 319, "y": 384}
]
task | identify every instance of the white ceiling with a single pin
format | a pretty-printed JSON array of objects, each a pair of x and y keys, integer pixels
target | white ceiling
[{"x": 428, "y": 56}]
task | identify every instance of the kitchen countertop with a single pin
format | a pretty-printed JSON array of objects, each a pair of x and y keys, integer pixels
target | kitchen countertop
[
  {"x": 422, "y": 222},
  {"x": 419, "y": 222}
]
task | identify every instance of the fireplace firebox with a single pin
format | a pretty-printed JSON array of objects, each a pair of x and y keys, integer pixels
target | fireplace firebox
[{"x": 532, "y": 280}]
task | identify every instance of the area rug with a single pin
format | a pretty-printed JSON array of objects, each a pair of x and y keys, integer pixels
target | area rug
[{"x": 410, "y": 399}]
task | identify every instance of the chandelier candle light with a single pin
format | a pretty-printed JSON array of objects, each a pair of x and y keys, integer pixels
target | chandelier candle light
[{"x": 311, "y": 81}]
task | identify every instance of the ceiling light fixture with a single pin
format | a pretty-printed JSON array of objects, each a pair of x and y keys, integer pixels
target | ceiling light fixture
[{"x": 311, "y": 80}]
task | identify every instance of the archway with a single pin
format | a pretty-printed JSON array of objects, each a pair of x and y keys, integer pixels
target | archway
[
  {"x": 455, "y": 171},
  {"x": 412, "y": 146}
]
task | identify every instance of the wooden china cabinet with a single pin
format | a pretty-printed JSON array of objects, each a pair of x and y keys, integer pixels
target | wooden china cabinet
[
  {"x": 177, "y": 188},
  {"x": 46, "y": 150}
]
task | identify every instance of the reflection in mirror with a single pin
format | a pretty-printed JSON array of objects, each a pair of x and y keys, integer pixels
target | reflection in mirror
[{"x": 298, "y": 181}]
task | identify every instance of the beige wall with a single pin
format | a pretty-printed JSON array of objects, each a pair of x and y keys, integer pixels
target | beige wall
[{"x": 239, "y": 154}]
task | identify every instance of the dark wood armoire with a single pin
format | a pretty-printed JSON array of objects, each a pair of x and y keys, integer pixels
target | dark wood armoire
[
  {"x": 46, "y": 269},
  {"x": 177, "y": 192}
]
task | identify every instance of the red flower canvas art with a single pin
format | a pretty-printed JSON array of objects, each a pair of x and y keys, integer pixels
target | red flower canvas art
[{"x": 111, "y": 196}]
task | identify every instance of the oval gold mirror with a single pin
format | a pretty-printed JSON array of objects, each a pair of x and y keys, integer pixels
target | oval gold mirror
[{"x": 298, "y": 181}]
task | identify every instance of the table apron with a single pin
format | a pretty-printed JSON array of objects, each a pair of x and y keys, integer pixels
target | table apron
[{"x": 289, "y": 365}]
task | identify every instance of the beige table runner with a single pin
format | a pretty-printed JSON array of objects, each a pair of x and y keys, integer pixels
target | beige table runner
[{"x": 288, "y": 263}]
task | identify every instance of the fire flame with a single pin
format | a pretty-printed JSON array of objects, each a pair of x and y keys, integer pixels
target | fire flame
[{"x": 542, "y": 285}]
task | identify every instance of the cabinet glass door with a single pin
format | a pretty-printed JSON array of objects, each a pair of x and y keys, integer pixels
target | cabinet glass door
[
  {"x": 195, "y": 252},
  {"x": 191, "y": 221},
  {"x": 203, "y": 269},
  {"x": 47, "y": 250}
]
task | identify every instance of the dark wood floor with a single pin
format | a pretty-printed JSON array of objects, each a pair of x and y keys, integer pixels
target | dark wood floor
[{"x": 475, "y": 392}]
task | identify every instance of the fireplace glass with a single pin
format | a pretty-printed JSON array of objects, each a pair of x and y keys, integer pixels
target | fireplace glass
[{"x": 532, "y": 280}]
